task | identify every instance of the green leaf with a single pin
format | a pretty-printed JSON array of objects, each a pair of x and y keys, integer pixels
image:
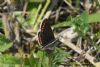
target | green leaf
[
  {"x": 94, "y": 17},
  {"x": 81, "y": 24},
  {"x": 98, "y": 47},
  {"x": 60, "y": 55},
  {"x": 0, "y": 23},
  {"x": 5, "y": 44},
  {"x": 32, "y": 16},
  {"x": 33, "y": 61},
  {"x": 37, "y": 1},
  {"x": 45, "y": 61},
  {"x": 9, "y": 59},
  {"x": 65, "y": 23},
  {"x": 62, "y": 24}
]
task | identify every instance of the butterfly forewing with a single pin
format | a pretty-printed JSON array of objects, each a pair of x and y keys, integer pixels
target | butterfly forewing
[{"x": 45, "y": 34}]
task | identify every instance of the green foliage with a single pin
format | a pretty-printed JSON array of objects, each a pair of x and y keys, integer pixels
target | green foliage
[
  {"x": 0, "y": 23},
  {"x": 60, "y": 55},
  {"x": 5, "y": 44},
  {"x": 9, "y": 60},
  {"x": 43, "y": 59},
  {"x": 81, "y": 24},
  {"x": 32, "y": 16},
  {"x": 35, "y": 13},
  {"x": 98, "y": 47},
  {"x": 97, "y": 36},
  {"x": 94, "y": 17},
  {"x": 39, "y": 59},
  {"x": 63, "y": 24},
  {"x": 37, "y": 1}
]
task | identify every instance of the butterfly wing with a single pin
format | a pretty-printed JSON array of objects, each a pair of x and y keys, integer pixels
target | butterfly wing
[{"x": 45, "y": 34}]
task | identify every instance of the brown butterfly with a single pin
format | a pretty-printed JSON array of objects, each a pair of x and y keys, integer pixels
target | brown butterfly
[{"x": 46, "y": 36}]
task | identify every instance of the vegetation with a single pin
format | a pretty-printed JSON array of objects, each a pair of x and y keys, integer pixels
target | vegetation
[{"x": 27, "y": 40}]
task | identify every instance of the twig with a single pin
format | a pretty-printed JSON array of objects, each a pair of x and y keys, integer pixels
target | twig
[
  {"x": 25, "y": 8},
  {"x": 58, "y": 12}
]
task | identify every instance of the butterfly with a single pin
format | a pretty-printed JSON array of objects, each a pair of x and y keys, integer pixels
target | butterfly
[{"x": 46, "y": 36}]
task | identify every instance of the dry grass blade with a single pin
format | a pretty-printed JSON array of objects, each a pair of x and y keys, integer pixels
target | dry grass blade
[{"x": 78, "y": 50}]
